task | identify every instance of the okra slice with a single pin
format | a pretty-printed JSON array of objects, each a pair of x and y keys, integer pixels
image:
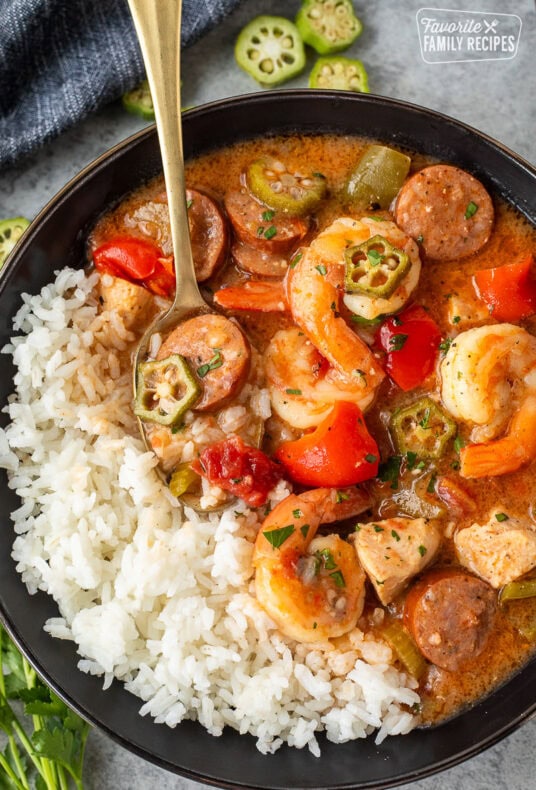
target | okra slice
[
  {"x": 375, "y": 268},
  {"x": 338, "y": 73},
  {"x": 139, "y": 101},
  {"x": 328, "y": 25},
  {"x": 422, "y": 428},
  {"x": 377, "y": 179},
  {"x": 270, "y": 50},
  {"x": 282, "y": 190},
  {"x": 166, "y": 389},
  {"x": 10, "y": 232}
]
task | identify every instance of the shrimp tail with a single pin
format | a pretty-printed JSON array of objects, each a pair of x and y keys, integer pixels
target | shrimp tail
[{"x": 518, "y": 447}]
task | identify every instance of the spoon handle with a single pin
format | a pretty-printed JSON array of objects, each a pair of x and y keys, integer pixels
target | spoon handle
[{"x": 158, "y": 25}]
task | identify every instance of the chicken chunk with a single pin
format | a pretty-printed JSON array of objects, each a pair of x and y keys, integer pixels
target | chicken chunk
[
  {"x": 499, "y": 551},
  {"x": 132, "y": 303},
  {"x": 394, "y": 550}
]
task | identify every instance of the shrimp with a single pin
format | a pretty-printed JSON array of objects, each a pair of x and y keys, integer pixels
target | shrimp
[
  {"x": 303, "y": 385},
  {"x": 489, "y": 380},
  {"x": 312, "y": 587}
]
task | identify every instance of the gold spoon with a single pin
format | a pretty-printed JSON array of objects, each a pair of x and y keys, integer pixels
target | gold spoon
[{"x": 158, "y": 24}]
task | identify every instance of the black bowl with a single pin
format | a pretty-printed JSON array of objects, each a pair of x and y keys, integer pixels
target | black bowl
[{"x": 56, "y": 239}]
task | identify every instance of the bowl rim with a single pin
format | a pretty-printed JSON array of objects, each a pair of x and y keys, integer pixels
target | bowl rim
[{"x": 90, "y": 170}]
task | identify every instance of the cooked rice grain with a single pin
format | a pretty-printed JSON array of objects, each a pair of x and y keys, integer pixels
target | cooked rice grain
[{"x": 161, "y": 600}]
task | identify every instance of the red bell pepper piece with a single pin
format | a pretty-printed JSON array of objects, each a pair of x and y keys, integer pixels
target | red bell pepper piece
[
  {"x": 245, "y": 471},
  {"x": 339, "y": 452},
  {"x": 509, "y": 290},
  {"x": 136, "y": 260},
  {"x": 411, "y": 342}
]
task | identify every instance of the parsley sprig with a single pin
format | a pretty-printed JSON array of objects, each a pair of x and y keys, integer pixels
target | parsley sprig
[{"x": 51, "y": 756}]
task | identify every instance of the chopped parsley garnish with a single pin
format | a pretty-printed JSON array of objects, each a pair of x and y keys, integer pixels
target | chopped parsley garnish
[
  {"x": 422, "y": 550},
  {"x": 178, "y": 428},
  {"x": 459, "y": 442},
  {"x": 397, "y": 342},
  {"x": 260, "y": 230},
  {"x": 236, "y": 480},
  {"x": 212, "y": 364},
  {"x": 189, "y": 203},
  {"x": 276, "y": 537},
  {"x": 471, "y": 210},
  {"x": 375, "y": 258},
  {"x": 267, "y": 216},
  {"x": 338, "y": 578},
  {"x": 411, "y": 459},
  {"x": 501, "y": 517},
  {"x": 295, "y": 261},
  {"x": 304, "y": 530},
  {"x": 341, "y": 496},
  {"x": 297, "y": 513},
  {"x": 389, "y": 471},
  {"x": 370, "y": 458},
  {"x": 270, "y": 232},
  {"x": 432, "y": 484},
  {"x": 326, "y": 558},
  {"x": 293, "y": 392},
  {"x": 456, "y": 319},
  {"x": 395, "y": 535},
  {"x": 425, "y": 422},
  {"x": 377, "y": 528},
  {"x": 321, "y": 269},
  {"x": 445, "y": 345}
]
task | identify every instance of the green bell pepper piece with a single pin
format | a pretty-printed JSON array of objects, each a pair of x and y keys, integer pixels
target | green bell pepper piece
[
  {"x": 328, "y": 26},
  {"x": 377, "y": 179},
  {"x": 166, "y": 389},
  {"x": 423, "y": 428},
  {"x": 270, "y": 50},
  {"x": 375, "y": 268}
]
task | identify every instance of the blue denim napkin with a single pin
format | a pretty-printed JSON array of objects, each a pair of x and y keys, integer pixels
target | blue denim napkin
[{"x": 63, "y": 59}]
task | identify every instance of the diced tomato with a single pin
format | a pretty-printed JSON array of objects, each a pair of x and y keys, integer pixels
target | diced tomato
[
  {"x": 509, "y": 290},
  {"x": 339, "y": 452},
  {"x": 245, "y": 471},
  {"x": 411, "y": 342},
  {"x": 136, "y": 260}
]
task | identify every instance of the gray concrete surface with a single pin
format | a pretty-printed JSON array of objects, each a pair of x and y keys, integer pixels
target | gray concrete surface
[{"x": 497, "y": 97}]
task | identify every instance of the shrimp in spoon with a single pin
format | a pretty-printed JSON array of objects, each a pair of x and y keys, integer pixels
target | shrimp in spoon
[
  {"x": 489, "y": 380},
  {"x": 312, "y": 587}
]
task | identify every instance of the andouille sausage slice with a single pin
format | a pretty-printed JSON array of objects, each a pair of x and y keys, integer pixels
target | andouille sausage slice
[
  {"x": 208, "y": 233},
  {"x": 260, "y": 262},
  {"x": 218, "y": 355},
  {"x": 447, "y": 210},
  {"x": 260, "y": 227},
  {"x": 450, "y": 614}
]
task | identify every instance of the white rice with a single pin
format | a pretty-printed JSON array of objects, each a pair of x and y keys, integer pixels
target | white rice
[{"x": 160, "y": 599}]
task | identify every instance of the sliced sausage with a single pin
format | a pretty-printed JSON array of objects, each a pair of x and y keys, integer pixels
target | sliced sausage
[
  {"x": 208, "y": 233},
  {"x": 218, "y": 354},
  {"x": 276, "y": 235},
  {"x": 208, "y": 229},
  {"x": 450, "y": 615},
  {"x": 447, "y": 210},
  {"x": 261, "y": 262}
]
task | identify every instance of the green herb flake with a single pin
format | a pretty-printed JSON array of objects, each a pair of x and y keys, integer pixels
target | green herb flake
[
  {"x": 374, "y": 257},
  {"x": 319, "y": 175},
  {"x": 395, "y": 535},
  {"x": 326, "y": 558},
  {"x": 397, "y": 342},
  {"x": 236, "y": 480},
  {"x": 296, "y": 259},
  {"x": 315, "y": 625},
  {"x": 267, "y": 216},
  {"x": 456, "y": 319},
  {"x": 422, "y": 550},
  {"x": 431, "y": 484},
  {"x": 212, "y": 364},
  {"x": 178, "y": 428},
  {"x": 357, "y": 527},
  {"x": 471, "y": 210},
  {"x": 341, "y": 496},
  {"x": 377, "y": 528},
  {"x": 321, "y": 269},
  {"x": 411, "y": 459},
  {"x": 370, "y": 458},
  {"x": 389, "y": 471},
  {"x": 338, "y": 578},
  {"x": 293, "y": 392},
  {"x": 305, "y": 530},
  {"x": 189, "y": 204},
  {"x": 445, "y": 345},
  {"x": 425, "y": 422},
  {"x": 501, "y": 517},
  {"x": 297, "y": 513},
  {"x": 270, "y": 232},
  {"x": 260, "y": 230},
  {"x": 459, "y": 442},
  {"x": 276, "y": 537}
]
